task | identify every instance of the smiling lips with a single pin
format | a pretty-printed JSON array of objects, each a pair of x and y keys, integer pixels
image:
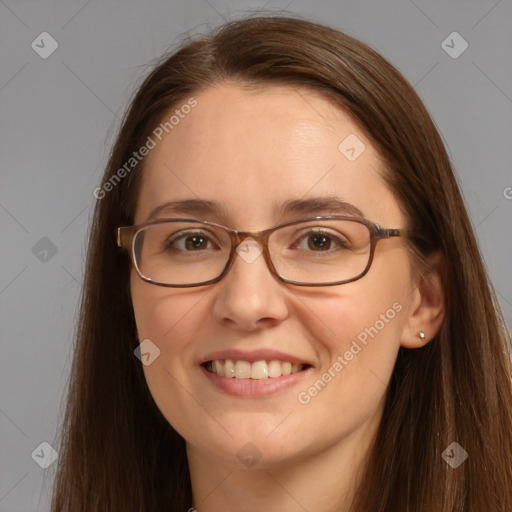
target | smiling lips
[
  {"x": 257, "y": 370},
  {"x": 257, "y": 364},
  {"x": 254, "y": 374}
]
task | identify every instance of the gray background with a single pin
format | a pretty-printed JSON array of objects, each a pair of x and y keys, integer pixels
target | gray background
[{"x": 58, "y": 116}]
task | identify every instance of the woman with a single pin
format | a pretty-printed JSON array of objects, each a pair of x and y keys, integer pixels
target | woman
[{"x": 284, "y": 307}]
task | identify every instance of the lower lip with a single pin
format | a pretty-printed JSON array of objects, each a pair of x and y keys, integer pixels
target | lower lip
[{"x": 254, "y": 388}]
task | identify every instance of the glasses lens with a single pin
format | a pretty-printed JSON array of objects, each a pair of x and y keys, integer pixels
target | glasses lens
[
  {"x": 321, "y": 251},
  {"x": 181, "y": 253}
]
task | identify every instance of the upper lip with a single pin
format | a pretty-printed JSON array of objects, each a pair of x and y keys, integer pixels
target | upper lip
[{"x": 261, "y": 354}]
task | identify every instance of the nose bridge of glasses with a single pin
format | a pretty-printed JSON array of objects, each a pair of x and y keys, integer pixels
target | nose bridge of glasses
[
  {"x": 250, "y": 245},
  {"x": 250, "y": 251},
  {"x": 241, "y": 237}
]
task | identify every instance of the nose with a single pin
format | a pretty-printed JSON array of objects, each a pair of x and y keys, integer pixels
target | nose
[{"x": 250, "y": 296}]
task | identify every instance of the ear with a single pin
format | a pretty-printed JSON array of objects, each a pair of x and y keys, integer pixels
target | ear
[{"x": 426, "y": 308}]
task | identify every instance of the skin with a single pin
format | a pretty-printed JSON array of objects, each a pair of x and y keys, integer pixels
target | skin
[{"x": 252, "y": 150}]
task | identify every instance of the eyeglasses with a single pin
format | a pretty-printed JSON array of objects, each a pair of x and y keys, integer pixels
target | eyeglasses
[{"x": 315, "y": 251}]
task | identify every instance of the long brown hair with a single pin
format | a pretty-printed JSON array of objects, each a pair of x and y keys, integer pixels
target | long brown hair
[{"x": 118, "y": 453}]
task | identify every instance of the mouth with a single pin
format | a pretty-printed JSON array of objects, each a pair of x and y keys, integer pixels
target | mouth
[
  {"x": 257, "y": 370},
  {"x": 257, "y": 379}
]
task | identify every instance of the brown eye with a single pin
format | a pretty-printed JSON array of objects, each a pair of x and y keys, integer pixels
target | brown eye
[
  {"x": 319, "y": 242},
  {"x": 190, "y": 241},
  {"x": 193, "y": 243}
]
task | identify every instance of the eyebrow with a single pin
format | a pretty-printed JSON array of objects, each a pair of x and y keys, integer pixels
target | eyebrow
[
  {"x": 310, "y": 206},
  {"x": 314, "y": 205},
  {"x": 196, "y": 206}
]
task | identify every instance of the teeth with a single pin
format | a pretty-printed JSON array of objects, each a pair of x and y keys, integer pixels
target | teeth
[
  {"x": 274, "y": 369},
  {"x": 242, "y": 370},
  {"x": 218, "y": 368},
  {"x": 296, "y": 367},
  {"x": 258, "y": 370},
  {"x": 229, "y": 368}
]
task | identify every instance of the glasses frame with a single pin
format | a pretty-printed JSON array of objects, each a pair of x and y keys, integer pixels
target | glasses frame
[{"x": 125, "y": 239}]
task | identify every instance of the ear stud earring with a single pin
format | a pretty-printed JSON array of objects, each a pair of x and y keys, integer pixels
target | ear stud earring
[{"x": 422, "y": 335}]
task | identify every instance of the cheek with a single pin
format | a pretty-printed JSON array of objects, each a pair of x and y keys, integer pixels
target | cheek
[
  {"x": 171, "y": 320},
  {"x": 166, "y": 316},
  {"x": 365, "y": 310},
  {"x": 362, "y": 323},
  {"x": 359, "y": 346}
]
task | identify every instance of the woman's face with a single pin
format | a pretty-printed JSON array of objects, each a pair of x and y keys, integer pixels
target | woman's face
[{"x": 251, "y": 153}]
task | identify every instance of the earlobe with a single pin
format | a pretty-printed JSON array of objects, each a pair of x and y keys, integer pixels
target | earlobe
[
  {"x": 427, "y": 310},
  {"x": 421, "y": 339}
]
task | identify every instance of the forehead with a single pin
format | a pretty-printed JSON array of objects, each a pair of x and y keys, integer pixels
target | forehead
[{"x": 251, "y": 149}]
